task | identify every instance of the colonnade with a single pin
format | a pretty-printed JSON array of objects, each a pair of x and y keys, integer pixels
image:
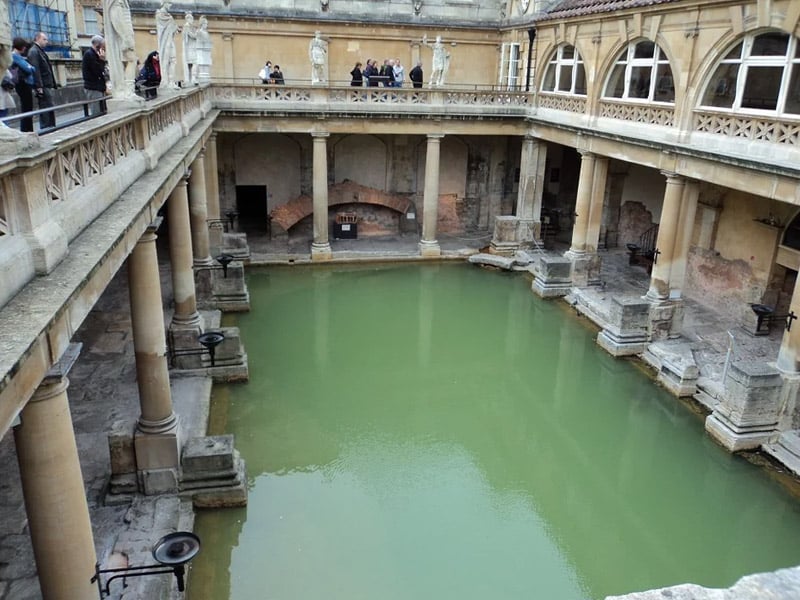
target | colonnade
[{"x": 52, "y": 483}]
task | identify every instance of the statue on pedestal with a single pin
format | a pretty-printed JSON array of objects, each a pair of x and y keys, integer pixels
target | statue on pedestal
[
  {"x": 166, "y": 28},
  {"x": 120, "y": 51},
  {"x": 203, "y": 52},
  {"x": 318, "y": 54},
  {"x": 441, "y": 61},
  {"x": 189, "y": 32}
]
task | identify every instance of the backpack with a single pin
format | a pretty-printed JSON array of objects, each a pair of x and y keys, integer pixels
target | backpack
[{"x": 11, "y": 78}]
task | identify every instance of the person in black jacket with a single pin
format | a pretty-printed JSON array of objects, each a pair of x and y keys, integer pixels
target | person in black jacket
[
  {"x": 416, "y": 75},
  {"x": 93, "y": 67},
  {"x": 277, "y": 76},
  {"x": 371, "y": 73},
  {"x": 45, "y": 81},
  {"x": 150, "y": 76},
  {"x": 356, "y": 75}
]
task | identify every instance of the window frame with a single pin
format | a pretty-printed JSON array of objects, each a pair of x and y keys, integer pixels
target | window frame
[
  {"x": 87, "y": 9},
  {"x": 557, "y": 62},
  {"x": 510, "y": 78},
  {"x": 744, "y": 62},
  {"x": 628, "y": 58}
]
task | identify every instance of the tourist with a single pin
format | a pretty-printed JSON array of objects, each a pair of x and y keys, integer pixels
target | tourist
[
  {"x": 150, "y": 75},
  {"x": 357, "y": 78},
  {"x": 265, "y": 72},
  {"x": 25, "y": 80},
  {"x": 95, "y": 69},
  {"x": 277, "y": 75},
  {"x": 415, "y": 75},
  {"x": 44, "y": 78},
  {"x": 371, "y": 73},
  {"x": 6, "y": 99},
  {"x": 399, "y": 73}
]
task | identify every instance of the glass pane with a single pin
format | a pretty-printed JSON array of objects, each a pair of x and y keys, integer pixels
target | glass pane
[
  {"x": 661, "y": 55},
  {"x": 736, "y": 52},
  {"x": 761, "y": 87},
  {"x": 793, "y": 93},
  {"x": 549, "y": 83},
  {"x": 665, "y": 86},
  {"x": 722, "y": 87},
  {"x": 565, "y": 78},
  {"x": 640, "y": 82},
  {"x": 616, "y": 83},
  {"x": 580, "y": 80},
  {"x": 644, "y": 50},
  {"x": 568, "y": 51},
  {"x": 770, "y": 44}
]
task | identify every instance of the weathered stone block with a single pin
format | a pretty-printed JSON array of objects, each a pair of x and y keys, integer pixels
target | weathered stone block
[
  {"x": 552, "y": 276},
  {"x": 159, "y": 481},
  {"x": 212, "y": 453},
  {"x": 156, "y": 450},
  {"x": 120, "y": 448}
]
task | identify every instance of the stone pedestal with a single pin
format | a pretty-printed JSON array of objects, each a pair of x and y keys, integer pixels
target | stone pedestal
[
  {"x": 585, "y": 268},
  {"x": 229, "y": 290},
  {"x": 747, "y": 415},
  {"x": 505, "y": 241},
  {"x": 628, "y": 330},
  {"x": 552, "y": 276},
  {"x": 213, "y": 473},
  {"x": 157, "y": 457}
]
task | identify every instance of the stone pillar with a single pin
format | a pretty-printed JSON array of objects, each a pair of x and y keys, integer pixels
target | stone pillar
[
  {"x": 156, "y": 439},
  {"x": 667, "y": 233},
  {"x": 596, "y": 204},
  {"x": 582, "y": 206},
  {"x": 212, "y": 195},
  {"x": 531, "y": 178},
  {"x": 683, "y": 239},
  {"x": 198, "y": 211},
  {"x": 428, "y": 246},
  {"x": 180, "y": 254},
  {"x": 789, "y": 354},
  {"x": 320, "y": 247},
  {"x": 52, "y": 485}
]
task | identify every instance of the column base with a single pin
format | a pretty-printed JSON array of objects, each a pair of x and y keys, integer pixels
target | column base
[
  {"x": 552, "y": 276},
  {"x": 229, "y": 293},
  {"x": 158, "y": 461},
  {"x": 191, "y": 325},
  {"x": 430, "y": 248},
  {"x": 733, "y": 438},
  {"x": 213, "y": 473},
  {"x": 321, "y": 252}
]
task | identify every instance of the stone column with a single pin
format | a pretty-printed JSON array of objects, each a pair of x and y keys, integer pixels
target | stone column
[
  {"x": 428, "y": 246},
  {"x": 321, "y": 247},
  {"x": 582, "y": 205},
  {"x": 52, "y": 485},
  {"x": 180, "y": 254},
  {"x": 156, "y": 443},
  {"x": 667, "y": 232},
  {"x": 789, "y": 354},
  {"x": 531, "y": 178},
  {"x": 596, "y": 204},
  {"x": 212, "y": 194},
  {"x": 683, "y": 239},
  {"x": 198, "y": 212}
]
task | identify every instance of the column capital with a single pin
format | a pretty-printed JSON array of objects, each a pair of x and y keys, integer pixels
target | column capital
[
  {"x": 184, "y": 180},
  {"x": 320, "y": 135},
  {"x": 530, "y": 138},
  {"x": 435, "y": 137},
  {"x": 586, "y": 154},
  {"x": 212, "y": 137},
  {"x": 200, "y": 155},
  {"x": 673, "y": 177}
]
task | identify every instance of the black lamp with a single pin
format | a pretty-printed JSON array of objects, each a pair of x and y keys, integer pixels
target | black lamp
[
  {"x": 224, "y": 260},
  {"x": 171, "y": 553}
]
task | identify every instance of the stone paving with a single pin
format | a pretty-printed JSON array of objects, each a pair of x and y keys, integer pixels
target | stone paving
[{"x": 103, "y": 390}]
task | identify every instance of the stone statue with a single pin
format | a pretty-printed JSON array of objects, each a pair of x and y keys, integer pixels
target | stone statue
[
  {"x": 203, "y": 52},
  {"x": 318, "y": 55},
  {"x": 120, "y": 51},
  {"x": 5, "y": 37},
  {"x": 189, "y": 33},
  {"x": 441, "y": 61},
  {"x": 166, "y": 28}
]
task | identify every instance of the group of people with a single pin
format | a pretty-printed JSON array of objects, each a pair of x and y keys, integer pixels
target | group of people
[
  {"x": 271, "y": 74},
  {"x": 390, "y": 74},
  {"x": 30, "y": 74}
]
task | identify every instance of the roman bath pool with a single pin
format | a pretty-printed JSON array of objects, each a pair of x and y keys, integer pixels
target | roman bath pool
[{"x": 437, "y": 431}]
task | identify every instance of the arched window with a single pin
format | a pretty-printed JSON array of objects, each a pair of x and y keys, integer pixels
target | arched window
[
  {"x": 761, "y": 72},
  {"x": 565, "y": 72},
  {"x": 642, "y": 72}
]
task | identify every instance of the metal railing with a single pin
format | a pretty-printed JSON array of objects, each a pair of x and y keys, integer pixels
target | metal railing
[{"x": 66, "y": 115}]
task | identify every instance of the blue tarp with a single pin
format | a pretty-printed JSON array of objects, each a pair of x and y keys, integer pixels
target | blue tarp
[{"x": 26, "y": 19}]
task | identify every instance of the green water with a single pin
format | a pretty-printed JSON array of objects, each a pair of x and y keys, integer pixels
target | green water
[{"x": 438, "y": 432}]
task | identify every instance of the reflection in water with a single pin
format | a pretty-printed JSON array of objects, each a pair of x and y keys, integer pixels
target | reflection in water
[{"x": 489, "y": 450}]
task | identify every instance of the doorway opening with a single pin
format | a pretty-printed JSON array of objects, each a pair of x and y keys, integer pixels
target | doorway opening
[{"x": 251, "y": 204}]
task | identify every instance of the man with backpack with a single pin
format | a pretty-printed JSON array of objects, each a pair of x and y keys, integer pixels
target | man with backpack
[{"x": 45, "y": 85}]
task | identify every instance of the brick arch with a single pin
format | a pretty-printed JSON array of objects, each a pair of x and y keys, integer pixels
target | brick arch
[{"x": 290, "y": 214}]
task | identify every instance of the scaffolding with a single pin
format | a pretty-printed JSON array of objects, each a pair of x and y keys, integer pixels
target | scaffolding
[{"x": 27, "y": 18}]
